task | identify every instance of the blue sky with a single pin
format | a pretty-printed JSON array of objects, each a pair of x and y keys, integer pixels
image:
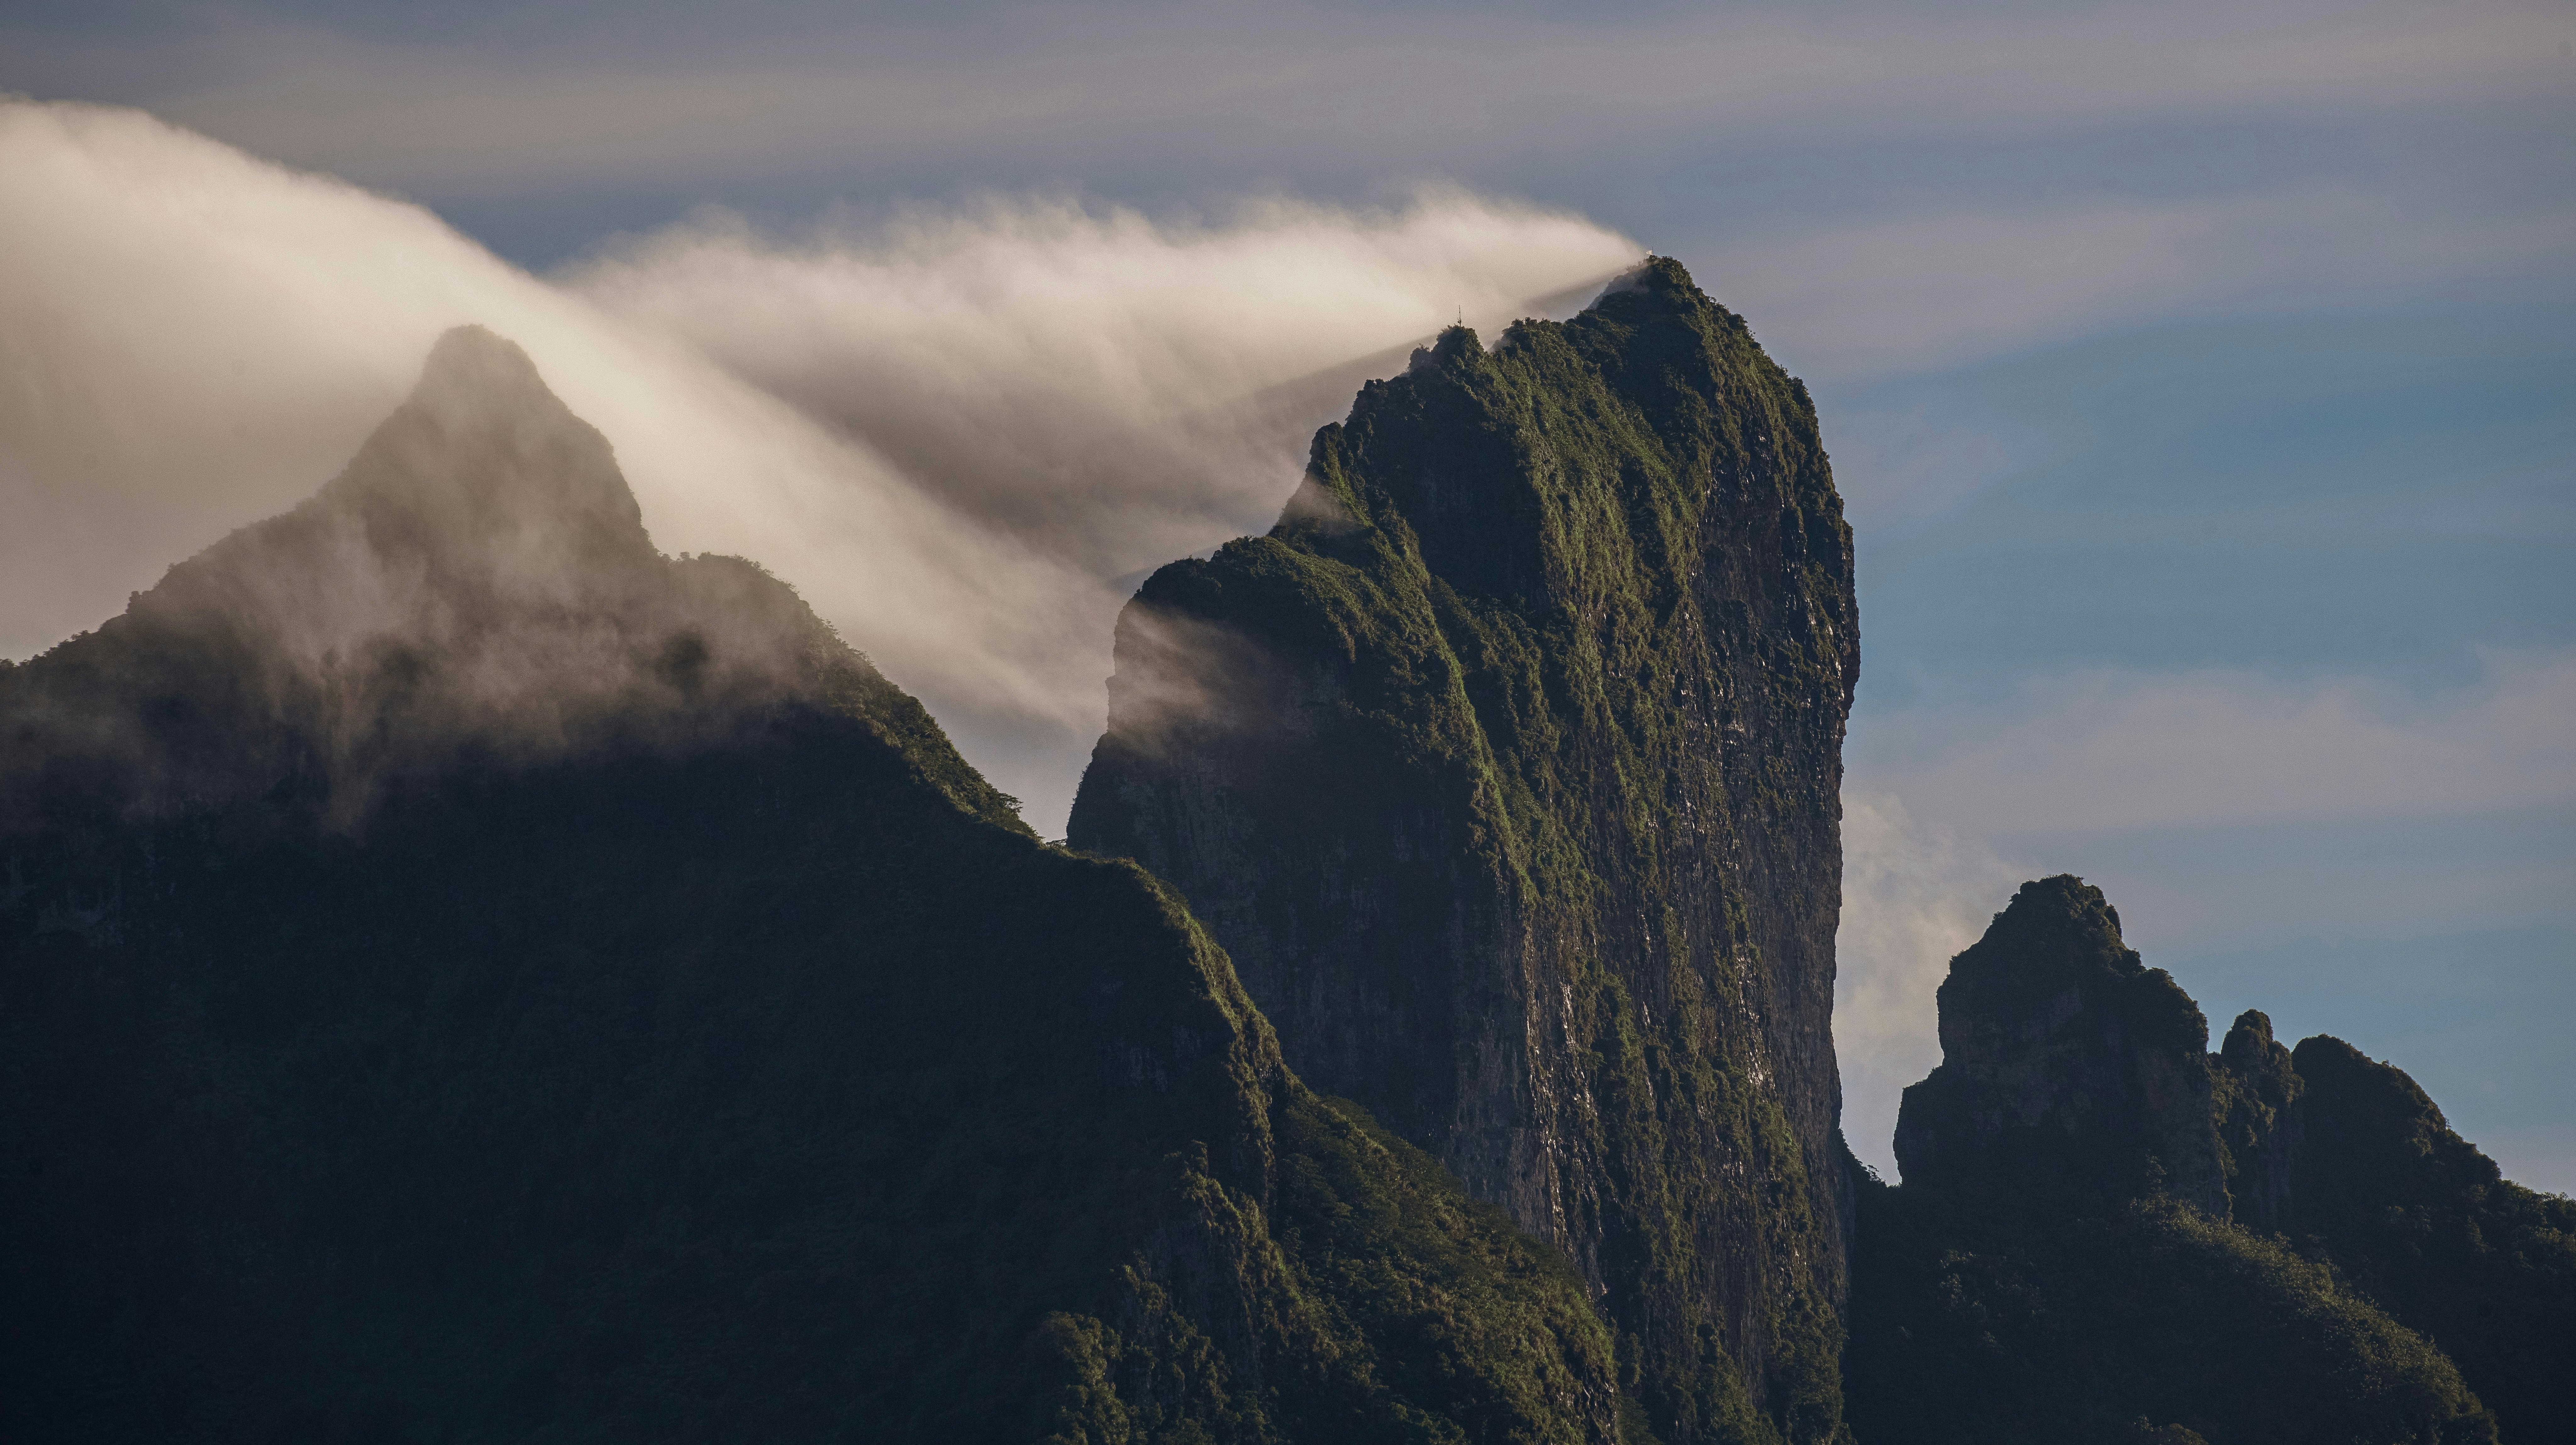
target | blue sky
[{"x": 2202, "y": 379}]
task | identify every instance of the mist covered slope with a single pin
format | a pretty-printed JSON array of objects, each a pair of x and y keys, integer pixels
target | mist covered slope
[
  {"x": 476, "y": 584},
  {"x": 2106, "y": 1233},
  {"x": 464, "y": 976},
  {"x": 1506, "y": 769}
]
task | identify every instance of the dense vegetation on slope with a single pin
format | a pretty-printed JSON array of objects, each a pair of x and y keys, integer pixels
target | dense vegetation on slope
[
  {"x": 2104, "y": 1233},
  {"x": 1506, "y": 770},
  {"x": 2425, "y": 1224},
  {"x": 1984, "y": 1318},
  {"x": 464, "y": 977},
  {"x": 752, "y": 1076},
  {"x": 757, "y": 1095}
]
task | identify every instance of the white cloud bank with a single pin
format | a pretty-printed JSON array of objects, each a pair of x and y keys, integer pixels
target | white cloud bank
[
  {"x": 1404, "y": 83},
  {"x": 952, "y": 435}
]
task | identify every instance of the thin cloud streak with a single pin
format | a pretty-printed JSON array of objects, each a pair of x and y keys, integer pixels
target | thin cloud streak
[
  {"x": 2109, "y": 751},
  {"x": 1408, "y": 87},
  {"x": 1949, "y": 289},
  {"x": 1113, "y": 391}
]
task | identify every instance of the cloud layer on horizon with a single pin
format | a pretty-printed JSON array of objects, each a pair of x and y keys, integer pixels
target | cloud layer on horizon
[
  {"x": 510, "y": 100},
  {"x": 2113, "y": 750}
]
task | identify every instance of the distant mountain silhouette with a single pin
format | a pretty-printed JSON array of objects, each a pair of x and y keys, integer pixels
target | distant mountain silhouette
[
  {"x": 477, "y": 581},
  {"x": 2104, "y": 1232}
]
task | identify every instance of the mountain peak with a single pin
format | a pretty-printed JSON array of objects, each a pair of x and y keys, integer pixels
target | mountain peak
[
  {"x": 472, "y": 361},
  {"x": 483, "y": 467},
  {"x": 476, "y": 582},
  {"x": 2065, "y": 1057},
  {"x": 1659, "y": 276},
  {"x": 2054, "y": 933}
]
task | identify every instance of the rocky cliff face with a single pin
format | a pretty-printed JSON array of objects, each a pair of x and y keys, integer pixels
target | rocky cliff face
[
  {"x": 2103, "y": 1230},
  {"x": 2065, "y": 1058},
  {"x": 463, "y": 975},
  {"x": 2255, "y": 1095},
  {"x": 1506, "y": 769}
]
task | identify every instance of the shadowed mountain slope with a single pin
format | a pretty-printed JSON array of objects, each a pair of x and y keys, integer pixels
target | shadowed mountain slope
[
  {"x": 1506, "y": 769},
  {"x": 2416, "y": 1217},
  {"x": 464, "y": 976}
]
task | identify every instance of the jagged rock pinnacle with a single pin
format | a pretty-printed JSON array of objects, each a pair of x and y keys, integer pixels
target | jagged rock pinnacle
[{"x": 2065, "y": 1059}]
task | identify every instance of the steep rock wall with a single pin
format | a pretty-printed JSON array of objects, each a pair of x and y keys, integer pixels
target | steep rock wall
[
  {"x": 1506, "y": 769},
  {"x": 2064, "y": 1058}
]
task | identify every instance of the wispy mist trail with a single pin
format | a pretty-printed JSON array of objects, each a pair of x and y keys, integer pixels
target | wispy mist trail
[{"x": 955, "y": 435}]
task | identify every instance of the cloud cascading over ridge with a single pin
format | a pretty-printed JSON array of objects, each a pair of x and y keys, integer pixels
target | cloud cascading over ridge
[
  {"x": 954, "y": 434},
  {"x": 1105, "y": 389}
]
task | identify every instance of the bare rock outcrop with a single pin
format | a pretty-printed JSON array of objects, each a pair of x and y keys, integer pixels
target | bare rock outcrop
[{"x": 2065, "y": 1059}]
